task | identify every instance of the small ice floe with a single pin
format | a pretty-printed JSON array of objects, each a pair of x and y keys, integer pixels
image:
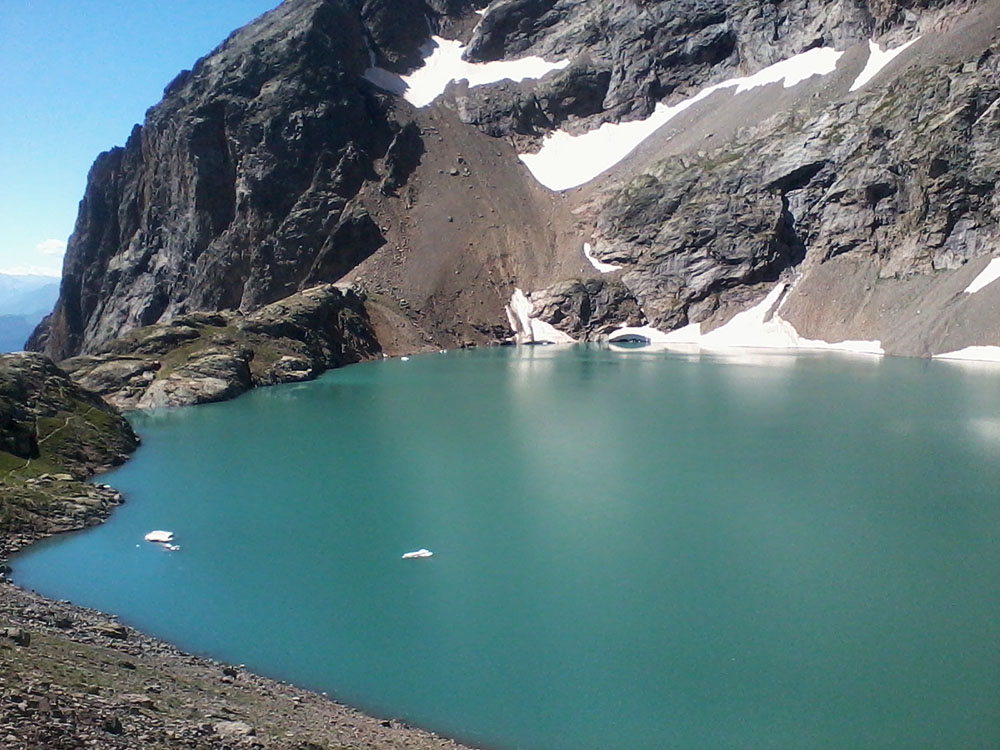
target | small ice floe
[
  {"x": 172, "y": 547},
  {"x": 417, "y": 554},
  {"x": 404, "y": 359},
  {"x": 160, "y": 537}
]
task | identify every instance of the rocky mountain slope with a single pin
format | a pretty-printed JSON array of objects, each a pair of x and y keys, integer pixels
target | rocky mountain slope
[{"x": 276, "y": 164}]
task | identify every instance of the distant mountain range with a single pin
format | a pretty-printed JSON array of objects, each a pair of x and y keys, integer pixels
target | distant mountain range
[{"x": 24, "y": 301}]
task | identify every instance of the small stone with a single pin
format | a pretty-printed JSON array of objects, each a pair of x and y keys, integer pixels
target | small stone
[
  {"x": 138, "y": 701},
  {"x": 112, "y": 725},
  {"x": 233, "y": 729},
  {"x": 20, "y": 636},
  {"x": 112, "y": 630}
]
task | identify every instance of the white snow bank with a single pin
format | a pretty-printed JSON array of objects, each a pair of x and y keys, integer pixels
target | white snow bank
[
  {"x": 566, "y": 161},
  {"x": 602, "y": 267},
  {"x": 973, "y": 353},
  {"x": 528, "y": 330},
  {"x": 443, "y": 64},
  {"x": 418, "y": 554},
  {"x": 877, "y": 59},
  {"x": 161, "y": 537},
  {"x": 749, "y": 329},
  {"x": 986, "y": 277}
]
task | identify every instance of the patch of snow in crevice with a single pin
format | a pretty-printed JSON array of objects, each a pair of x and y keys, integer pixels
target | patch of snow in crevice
[
  {"x": 529, "y": 330},
  {"x": 877, "y": 59},
  {"x": 749, "y": 329},
  {"x": 973, "y": 354},
  {"x": 599, "y": 265},
  {"x": 566, "y": 161},
  {"x": 443, "y": 64},
  {"x": 986, "y": 277}
]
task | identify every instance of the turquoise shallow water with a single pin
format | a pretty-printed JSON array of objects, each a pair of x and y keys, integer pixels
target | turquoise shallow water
[{"x": 632, "y": 549}]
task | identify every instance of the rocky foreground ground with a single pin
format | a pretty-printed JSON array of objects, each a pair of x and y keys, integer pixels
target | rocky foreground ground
[{"x": 75, "y": 678}]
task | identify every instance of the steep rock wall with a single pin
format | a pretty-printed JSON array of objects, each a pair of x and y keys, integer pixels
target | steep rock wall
[
  {"x": 274, "y": 166},
  {"x": 242, "y": 185}
]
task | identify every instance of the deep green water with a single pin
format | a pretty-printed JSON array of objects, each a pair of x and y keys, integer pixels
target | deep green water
[{"x": 632, "y": 549}]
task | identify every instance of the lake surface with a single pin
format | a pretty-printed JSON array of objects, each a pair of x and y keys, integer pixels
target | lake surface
[{"x": 631, "y": 549}]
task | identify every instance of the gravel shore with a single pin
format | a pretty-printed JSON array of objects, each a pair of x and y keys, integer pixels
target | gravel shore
[{"x": 72, "y": 677}]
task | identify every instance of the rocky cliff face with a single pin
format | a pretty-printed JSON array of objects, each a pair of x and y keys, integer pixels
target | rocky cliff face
[
  {"x": 274, "y": 165},
  {"x": 244, "y": 183}
]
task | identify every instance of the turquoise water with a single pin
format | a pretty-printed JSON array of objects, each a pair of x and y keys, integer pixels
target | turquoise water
[{"x": 632, "y": 549}]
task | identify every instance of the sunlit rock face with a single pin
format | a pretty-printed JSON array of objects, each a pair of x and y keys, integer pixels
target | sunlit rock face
[
  {"x": 846, "y": 151},
  {"x": 246, "y": 182}
]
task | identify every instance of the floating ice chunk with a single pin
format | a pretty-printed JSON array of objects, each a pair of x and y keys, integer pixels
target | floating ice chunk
[
  {"x": 418, "y": 554},
  {"x": 161, "y": 537},
  {"x": 404, "y": 359},
  {"x": 566, "y": 161},
  {"x": 986, "y": 277},
  {"x": 599, "y": 265},
  {"x": 443, "y": 64},
  {"x": 877, "y": 59}
]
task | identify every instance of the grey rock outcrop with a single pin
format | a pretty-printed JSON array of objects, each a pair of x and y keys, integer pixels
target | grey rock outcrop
[
  {"x": 902, "y": 177},
  {"x": 47, "y": 418},
  {"x": 200, "y": 358},
  {"x": 587, "y": 309}
]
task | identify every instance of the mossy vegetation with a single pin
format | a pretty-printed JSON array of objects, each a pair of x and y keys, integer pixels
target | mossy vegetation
[{"x": 53, "y": 434}]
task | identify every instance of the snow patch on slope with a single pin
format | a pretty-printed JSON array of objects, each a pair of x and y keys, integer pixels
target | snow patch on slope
[
  {"x": 986, "y": 277},
  {"x": 599, "y": 265},
  {"x": 529, "y": 330},
  {"x": 443, "y": 64},
  {"x": 566, "y": 161},
  {"x": 877, "y": 59},
  {"x": 973, "y": 353},
  {"x": 748, "y": 329}
]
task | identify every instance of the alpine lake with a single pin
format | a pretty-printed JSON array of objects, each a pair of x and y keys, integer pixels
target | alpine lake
[{"x": 632, "y": 548}]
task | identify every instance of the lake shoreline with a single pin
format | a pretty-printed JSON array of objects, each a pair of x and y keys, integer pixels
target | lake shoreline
[{"x": 73, "y": 675}]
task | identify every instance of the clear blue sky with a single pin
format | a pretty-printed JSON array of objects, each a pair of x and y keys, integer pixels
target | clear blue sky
[{"x": 75, "y": 76}]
